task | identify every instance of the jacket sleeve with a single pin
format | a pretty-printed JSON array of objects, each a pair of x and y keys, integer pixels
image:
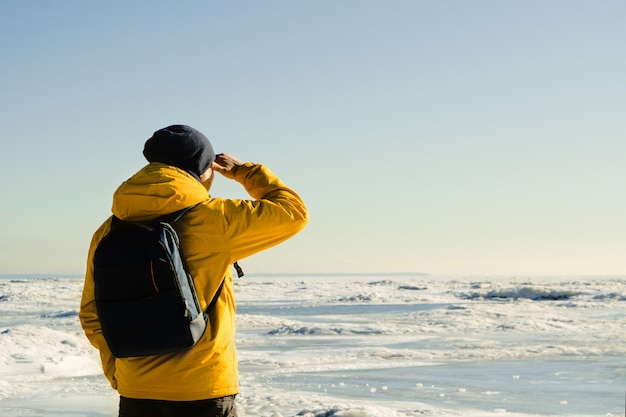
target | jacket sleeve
[
  {"x": 89, "y": 316},
  {"x": 276, "y": 213}
]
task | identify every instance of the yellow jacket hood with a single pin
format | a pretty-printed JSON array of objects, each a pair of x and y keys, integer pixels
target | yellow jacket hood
[{"x": 155, "y": 190}]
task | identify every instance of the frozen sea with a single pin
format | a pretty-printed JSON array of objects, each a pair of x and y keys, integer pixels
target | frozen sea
[{"x": 356, "y": 346}]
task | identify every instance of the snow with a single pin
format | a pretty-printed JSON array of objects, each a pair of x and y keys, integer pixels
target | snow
[{"x": 357, "y": 346}]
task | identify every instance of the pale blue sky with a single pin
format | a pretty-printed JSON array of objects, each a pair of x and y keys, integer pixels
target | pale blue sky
[{"x": 446, "y": 137}]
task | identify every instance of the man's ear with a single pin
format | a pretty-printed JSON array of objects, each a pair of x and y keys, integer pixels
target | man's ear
[
  {"x": 207, "y": 178},
  {"x": 206, "y": 175}
]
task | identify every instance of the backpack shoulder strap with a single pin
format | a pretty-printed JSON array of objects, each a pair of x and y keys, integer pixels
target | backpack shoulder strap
[
  {"x": 177, "y": 215},
  {"x": 215, "y": 297},
  {"x": 172, "y": 218}
]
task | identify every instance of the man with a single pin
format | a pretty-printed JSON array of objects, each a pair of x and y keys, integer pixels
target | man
[{"x": 202, "y": 380}]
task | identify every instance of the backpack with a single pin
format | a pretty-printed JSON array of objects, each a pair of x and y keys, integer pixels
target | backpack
[{"x": 145, "y": 298}]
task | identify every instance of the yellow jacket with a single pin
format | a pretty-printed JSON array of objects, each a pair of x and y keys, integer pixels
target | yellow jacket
[{"x": 213, "y": 236}]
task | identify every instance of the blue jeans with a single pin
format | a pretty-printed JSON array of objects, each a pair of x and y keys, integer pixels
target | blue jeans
[{"x": 215, "y": 407}]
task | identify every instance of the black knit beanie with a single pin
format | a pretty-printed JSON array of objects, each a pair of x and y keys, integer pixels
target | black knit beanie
[{"x": 181, "y": 146}]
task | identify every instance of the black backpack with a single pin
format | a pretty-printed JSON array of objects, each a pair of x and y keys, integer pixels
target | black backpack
[{"x": 145, "y": 298}]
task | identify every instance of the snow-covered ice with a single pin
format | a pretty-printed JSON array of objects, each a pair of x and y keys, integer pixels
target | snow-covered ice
[{"x": 357, "y": 346}]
